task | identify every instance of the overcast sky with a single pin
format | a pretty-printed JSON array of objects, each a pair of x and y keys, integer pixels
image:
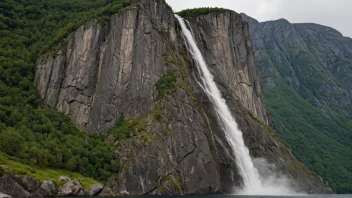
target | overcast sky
[{"x": 333, "y": 13}]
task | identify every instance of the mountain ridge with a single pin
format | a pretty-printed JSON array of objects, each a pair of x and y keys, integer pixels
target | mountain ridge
[
  {"x": 247, "y": 18},
  {"x": 305, "y": 69}
]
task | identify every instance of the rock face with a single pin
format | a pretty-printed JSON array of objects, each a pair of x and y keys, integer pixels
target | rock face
[
  {"x": 14, "y": 186},
  {"x": 72, "y": 188},
  {"x": 306, "y": 72},
  {"x": 32, "y": 184},
  {"x": 95, "y": 189},
  {"x": 27, "y": 186},
  {"x": 137, "y": 65},
  {"x": 48, "y": 189},
  {"x": 225, "y": 44}
]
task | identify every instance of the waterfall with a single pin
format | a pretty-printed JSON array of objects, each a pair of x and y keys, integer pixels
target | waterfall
[{"x": 252, "y": 183}]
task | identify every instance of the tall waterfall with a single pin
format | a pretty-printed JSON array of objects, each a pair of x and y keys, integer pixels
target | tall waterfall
[{"x": 252, "y": 183}]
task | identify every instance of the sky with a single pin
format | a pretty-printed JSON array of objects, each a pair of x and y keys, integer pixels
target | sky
[{"x": 332, "y": 13}]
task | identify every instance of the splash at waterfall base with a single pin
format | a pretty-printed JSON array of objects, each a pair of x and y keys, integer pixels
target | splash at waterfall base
[{"x": 253, "y": 182}]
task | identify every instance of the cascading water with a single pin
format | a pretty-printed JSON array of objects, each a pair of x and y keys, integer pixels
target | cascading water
[{"x": 252, "y": 183}]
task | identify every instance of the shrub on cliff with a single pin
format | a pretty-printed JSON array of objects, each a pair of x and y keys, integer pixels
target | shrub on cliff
[{"x": 200, "y": 11}]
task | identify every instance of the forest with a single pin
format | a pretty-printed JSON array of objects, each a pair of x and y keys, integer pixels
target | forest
[{"x": 31, "y": 132}]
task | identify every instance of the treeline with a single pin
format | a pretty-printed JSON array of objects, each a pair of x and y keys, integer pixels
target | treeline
[
  {"x": 30, "y": 131},
  {"x": 200, "y": 11}
]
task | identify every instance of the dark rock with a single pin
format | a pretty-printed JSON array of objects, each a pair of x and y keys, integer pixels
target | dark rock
[
  {"x": 32, "y": 184},
  {"x": 13, "y": 186}
]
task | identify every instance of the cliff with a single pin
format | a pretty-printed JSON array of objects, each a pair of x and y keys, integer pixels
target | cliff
[
  {"x": 137, "y": 65},
  {"x": 306, "y": 74}
]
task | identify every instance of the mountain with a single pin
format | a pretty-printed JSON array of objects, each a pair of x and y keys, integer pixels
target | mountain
[
  {"x": 116, "y": 100},
  {"x": 133, "y": 79},
  {"x": 306, "y": 74}
]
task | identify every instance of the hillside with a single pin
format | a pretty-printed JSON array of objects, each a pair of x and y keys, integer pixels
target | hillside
[
  {"x": 32, "y": 133},
  {"x": 306, "y": 74},
  {"x": 117, "y": 99}
]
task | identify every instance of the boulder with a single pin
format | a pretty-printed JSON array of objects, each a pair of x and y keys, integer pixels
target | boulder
[
  {"x": 13, "y": 186},
  {"x": 72, "y": 188},
  {"x": 48, "y": 189},
  {"x": 107, "y": 192},
  {"x": 95, "y": 189},
  {"x": 4, "y": 195},
  {"x": 64, "y": 179},
  {"x": 32, "y": 184}
]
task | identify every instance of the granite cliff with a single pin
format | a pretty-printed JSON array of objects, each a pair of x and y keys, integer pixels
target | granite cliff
[
  {"x": 306, "y": 75},
  {"x": 137, "y": 65}
]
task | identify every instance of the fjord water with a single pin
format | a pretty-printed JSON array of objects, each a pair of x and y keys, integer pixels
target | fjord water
[
  {"x": 229, "y": 196},
  {"x": 253, "y": 184}
]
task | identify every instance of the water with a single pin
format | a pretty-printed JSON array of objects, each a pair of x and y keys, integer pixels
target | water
[
  {"x": 228, "y": 196},
  {"x": 253, "y": 184}
]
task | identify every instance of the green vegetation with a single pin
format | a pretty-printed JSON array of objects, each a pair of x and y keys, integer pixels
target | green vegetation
[
  {"x": 308, "y": 95},
  {"x": 124, "y": 129},
  {"x": 158, "y": 117},
  {"x": 10, "y": 165},
  {"x": 46, "y": 138},
  {"x": 188, "y": 13},
  {"x": 166, "y": 84},
  {"x": 32, "y": 134},
  {"x": 321, "y": 142}
]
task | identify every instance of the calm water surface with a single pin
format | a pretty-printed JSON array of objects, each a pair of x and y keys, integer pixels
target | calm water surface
[{"x": 231, "y": 196}]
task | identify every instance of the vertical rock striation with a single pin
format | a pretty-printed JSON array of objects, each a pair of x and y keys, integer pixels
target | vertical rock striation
[{"x": 120, "y": 67}]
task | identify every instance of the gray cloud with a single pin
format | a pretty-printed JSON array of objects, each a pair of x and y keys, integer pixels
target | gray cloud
[{"x": 332, "y": 13}]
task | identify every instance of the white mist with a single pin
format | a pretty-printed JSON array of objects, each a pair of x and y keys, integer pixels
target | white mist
[{"x": 252, "y": 182}]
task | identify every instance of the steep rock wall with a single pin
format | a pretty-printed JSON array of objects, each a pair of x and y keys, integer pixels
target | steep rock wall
[{"x": 178, "y": 147}]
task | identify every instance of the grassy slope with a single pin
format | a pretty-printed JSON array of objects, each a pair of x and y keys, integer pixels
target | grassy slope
[{"x": 13, "y": 166}]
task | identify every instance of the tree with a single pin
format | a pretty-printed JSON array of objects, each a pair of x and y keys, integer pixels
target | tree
[
  {"x": 11, "y": 142},
  {"x": 15, "y": 116},
  {"x": 73, "y": 163}
]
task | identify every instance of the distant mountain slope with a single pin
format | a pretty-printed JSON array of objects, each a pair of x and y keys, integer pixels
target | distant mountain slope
[{"x": 306, "y": 70}]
